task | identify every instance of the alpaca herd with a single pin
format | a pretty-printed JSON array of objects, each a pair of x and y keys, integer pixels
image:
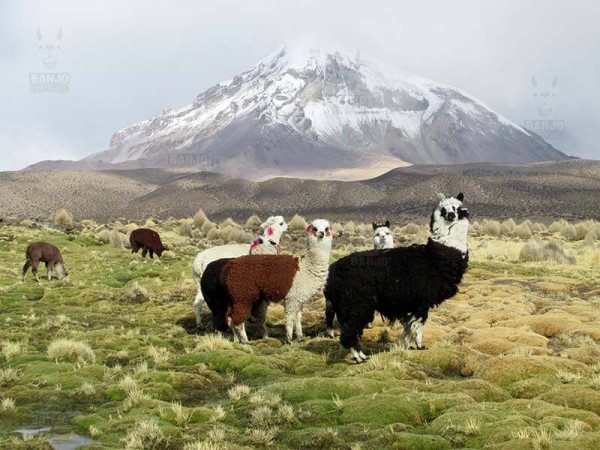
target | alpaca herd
[{"x": 239, "y": 281}]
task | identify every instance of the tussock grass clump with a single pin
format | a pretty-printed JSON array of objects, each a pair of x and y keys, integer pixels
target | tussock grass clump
[
  {"x": 262, "y": 417},
  {"x": 207, "y": 226},
  {"x": 63, "y": 219},
  {"x": 522, "y": 231},
  {"x": 8, "y": 376},
  {"x": 71, "y": 351},
  {"x": 229, "y": 222},
  {"x": 117, "y": 239},
  {"x": 535, "y": 250},
  {"x": 135, "y": 396},
  {"x": 411, "y": 229},
  {"x": 104, "y": 235},
  {"x": 337, "y": 228},
  {"x": 349, "y": 228},
  {"x": 263, "y": 437},
  {"x": 185, "y": 229},
  {"x": 557, "y": 226},
  {"x": 10, "y": 349},
  {"x": 199, "y": 219},
  {"x": 7, "y": 404},
  {"x": 509, "y": 224},
  {"x": 569, "y": 233},
  {"x": 203, "y": 445},
  {"x": 475, "y": 227},
  {"x": 137, "y": 294},
  {"x": 538, "y": 227},
  {"x": 160, "y": 355},
  {"x": 253, "y": 222},
  {"x": 213, "y": 234},
  {"x": 182, "y": 415},
  {"x": 87, "y": 389},
  {"x": 491, "y": 228},
  {"x": 297, "y": 223},
  {"x": 209, "y": 342},
  {"x": 127, "y": 383},
  {"x": 238, "y": 391},
  {"x": 146, "y": 435},
  {"x": 218, "y": 413},
  {"x": 572, "y": 430}
]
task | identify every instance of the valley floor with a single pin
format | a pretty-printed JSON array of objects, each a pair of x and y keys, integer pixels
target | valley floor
[{"x": 110, "y": 354}]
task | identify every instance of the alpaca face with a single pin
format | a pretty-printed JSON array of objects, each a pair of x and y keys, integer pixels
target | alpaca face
[
  {"x": 61, "y": 271},
  {"x": 274, "y": 227},
  {"x": 383, "y": 238},
  {"x": 449, "y": 223},
  {"x": 319, "y": 233}
]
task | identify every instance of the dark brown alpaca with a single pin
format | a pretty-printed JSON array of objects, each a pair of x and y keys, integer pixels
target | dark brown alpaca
[
  {"x": 148, "y": 240},
  {"x": 48, "y": 254}
]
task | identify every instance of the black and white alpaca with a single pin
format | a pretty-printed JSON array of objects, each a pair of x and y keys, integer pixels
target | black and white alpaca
[
  {"x": 382, "y": 236},
  {"x": 400, "y": 283}
]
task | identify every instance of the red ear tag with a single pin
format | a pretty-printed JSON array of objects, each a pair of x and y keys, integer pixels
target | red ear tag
[
  {"x": 269, "y": 231},
  {"x": 308, "y": 228}
]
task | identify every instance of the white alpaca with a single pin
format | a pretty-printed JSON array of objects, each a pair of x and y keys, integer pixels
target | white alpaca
[
  {"x": 268, "y": 243},
  {"x": 276, "y": 278}
]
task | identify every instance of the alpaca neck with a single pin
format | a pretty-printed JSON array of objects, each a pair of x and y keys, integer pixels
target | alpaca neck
[
  {"x": 316, "y": 259},
  {"x": 453, "y": 235}
]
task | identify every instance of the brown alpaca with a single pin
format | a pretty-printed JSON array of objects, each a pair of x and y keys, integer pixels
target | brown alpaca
[
  {"x": 148, "y": 240},
  {"x": 48, "y": 254}
]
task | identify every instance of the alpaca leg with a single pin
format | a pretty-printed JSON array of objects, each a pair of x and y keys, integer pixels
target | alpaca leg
[
  {"x": 198, "y": 303},
  {"x": 151, "y": 253},
  {"x": 358, "y": 355},
  {"x": 290, "y": 318},
  {"x": 329, "y": 316},
  {"x": 49, "y": 267},
  {"x": 259, "y": 312},
  {"x": 240, "y": 332},
  {"x": 418, "y": 327},
  {"x": 350, "y": 339},
  {"x": 144, "y": 251},
  {"x": 26, "y": 268},
  {"x": 407, "y": 333},
  {"x": 298, "y": 324},
  {"x": 34, "y": 269}
]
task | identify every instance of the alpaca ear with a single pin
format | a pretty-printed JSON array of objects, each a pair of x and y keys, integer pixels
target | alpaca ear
[
  {"x": 441, "y": 196},
  {"x": 375, "y": 225},
  {"x": 460, "y": 197},
  {"x": 308, "y": 228},
  {"x": 387, "y": 223}
]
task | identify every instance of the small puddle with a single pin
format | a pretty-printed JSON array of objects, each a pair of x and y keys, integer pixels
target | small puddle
[{"x": 57, "y": 441}]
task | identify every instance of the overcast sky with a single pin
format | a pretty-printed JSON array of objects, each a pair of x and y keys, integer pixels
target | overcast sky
[{"x": 129, "y": 60}]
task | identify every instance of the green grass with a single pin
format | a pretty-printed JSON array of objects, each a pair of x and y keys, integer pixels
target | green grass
[{"x": 125, "y": 368}]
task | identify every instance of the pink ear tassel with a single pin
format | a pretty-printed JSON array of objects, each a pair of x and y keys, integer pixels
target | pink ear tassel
[
  {"x": 308, "y": 228},
  {"x": 269, "y": 231}
]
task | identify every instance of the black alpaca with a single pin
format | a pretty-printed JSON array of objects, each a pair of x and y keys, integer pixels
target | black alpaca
[
  {"x": 400, "y": 283},
  {"x": 148, "y": 240}
]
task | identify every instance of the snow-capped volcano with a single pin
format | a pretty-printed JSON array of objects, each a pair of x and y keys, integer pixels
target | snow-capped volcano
[{"x": 321, "y": 108}]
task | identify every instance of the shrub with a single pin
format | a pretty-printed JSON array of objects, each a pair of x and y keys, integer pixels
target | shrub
[
  {"x": 253, "y": 222},
  {"x": 117, "y": 239},
  {"x": 509, "y": 223},
  {"x": 581, "y": 229},
  {"x": 199, "y": 219},
  {"x": 569, "y": 233},
  {"x": 63, "y": 219},
  {"x": 71, "y": 351},
  {"x": 505, "y": 230},
  {"x": 556, "y": 227},
  {"x": 538, "y": 227},
  {"x": 535, "y": 250},
  {"x": 411, "y": 229},
  {"x": 522, "y": 231},
  {"x": 213, "y": 234},
  {"x": 336, "y": 228},
  {"x": 207, "y": 226},
  {"x": 186, "y": 230},
  {"x": 297, "y": 223},
  {"x": 491, "y": 227},
  {"x": 349, "y": 227},
  {"x": 229, "y": 222}
]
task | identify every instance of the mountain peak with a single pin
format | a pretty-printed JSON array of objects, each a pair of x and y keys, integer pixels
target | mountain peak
[{"x": 316, "y": 106}]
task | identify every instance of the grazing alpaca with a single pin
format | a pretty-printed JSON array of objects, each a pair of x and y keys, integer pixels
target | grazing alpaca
[
  {"x": 382, "y": 236},
  {"x": 250, "y": 280},
  {"x": 267, "y": 244},
  {"x": 48, "y": 254},
  {"x": 148, "y": 240},
  {"x": 400, "y": 283}
]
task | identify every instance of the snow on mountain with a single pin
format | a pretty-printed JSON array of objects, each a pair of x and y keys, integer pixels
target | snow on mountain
[{"x": 311, "y": 106}]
